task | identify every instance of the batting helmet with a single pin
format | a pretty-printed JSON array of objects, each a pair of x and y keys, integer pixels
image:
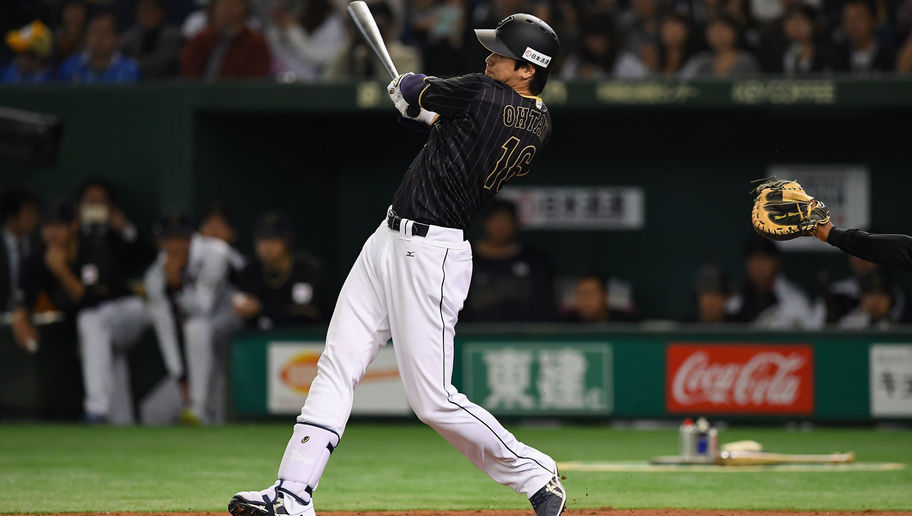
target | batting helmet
[{"x": 523, "y": 37}]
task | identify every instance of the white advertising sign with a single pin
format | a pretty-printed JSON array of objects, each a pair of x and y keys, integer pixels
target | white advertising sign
[
  {"x": 891, "y": 380},
  {"x": 843, "y": 188},
  {"x": 578, "y": 208},
  {"x": 292, "y": 367}
]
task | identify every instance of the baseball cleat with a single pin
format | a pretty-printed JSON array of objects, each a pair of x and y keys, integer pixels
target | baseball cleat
[
  {"x": 272, "y": 501},
  {"x": 551, "y": 499}
]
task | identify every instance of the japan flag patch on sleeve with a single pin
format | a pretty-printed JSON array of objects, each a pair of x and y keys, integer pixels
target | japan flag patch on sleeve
[{"x": 536, "y": 57}]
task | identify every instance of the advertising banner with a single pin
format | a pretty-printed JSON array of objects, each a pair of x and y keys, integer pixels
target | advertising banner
[
  {"x": 891, "y": 380},
  {"x": 739, "y": 379}
]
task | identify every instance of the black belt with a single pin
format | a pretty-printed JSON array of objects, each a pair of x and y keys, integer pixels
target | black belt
[{"x": 394, "y": 221}]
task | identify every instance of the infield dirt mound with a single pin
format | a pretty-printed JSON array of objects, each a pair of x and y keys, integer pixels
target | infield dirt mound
[{"x": 606, "y": 511}]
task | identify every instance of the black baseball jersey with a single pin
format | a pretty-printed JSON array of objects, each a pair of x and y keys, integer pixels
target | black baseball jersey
[
  {"x": 486, "y": 135},
  {"x": 295, "y": 296},
  {"x": 889, "y": 250},
  {"x": 98, "y": 265}
]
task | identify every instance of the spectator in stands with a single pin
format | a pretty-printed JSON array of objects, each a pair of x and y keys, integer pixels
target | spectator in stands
[
  {"x": 438, "y": 27},
  {"x": 305, "y": 37},
  {"x": 19, "y": 209},
  {"x": 70, "y": 36},
  {"x": 84, "y": 279},
  {"x": 101, "y": 62},
  {"x": 356, "y": 60},
  {"x": 725, "y": 58},
  {"x": 32, "y": 45},
  {"x": 640, "y": 26},
  {"x": 218, "y": 223},
  {"x": 844, "y": 296},
  {"x": 768, "y": 299},
  {"x": 876, "y": 308},
  {"x": 228, "y": 48},
  {"x": 152, "y": 42},
  {"x": 598, "y": 53},
  {"x": 281, "y": 287},
  {"x": 189, "y": 301},
  {"x": 712, "y": 289},
  {"x": 591, "y": 301},
  {"x": 803, "y": 54},
  {"x": 862, "y": 53},
  {"x": 676, "y": 44},
  {"x": 511, "y": 281}
]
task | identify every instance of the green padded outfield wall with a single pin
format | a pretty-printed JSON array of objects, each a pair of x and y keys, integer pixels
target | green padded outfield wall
[{"x": 331, "y": 156}]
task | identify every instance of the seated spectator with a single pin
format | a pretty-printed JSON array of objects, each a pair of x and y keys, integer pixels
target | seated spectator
[
  {"x": 305, "y": 37},
  {"x": 510, "y": 281},
  {"x": 357, "y": 61},
  {"x": 862, "y": 53},
  {"x": 640, "y": 26},
  {"x": 676, "y": 44},
  {"x": 438, "y": 28},
  {"x": 217, "y": 223},
  {"x": 19, "y": 209},
  {"x": 725, "y": 58},
  {"x": 844, "y": 296},
  {"x": 189, "y": 301},
  {"x": 153, "y": 43},
  {"x": 227, "y": 47},
  {"x": 802, "y": 55},
  {"x": 768, "y": 299},
  {"x": 84, "y": 279},
  {"x": 101, "y": 62},
  {"x": 32, "y": 46},
  {"x": 712, "y": 290},
  {"x": 876, "y": 308},
  {"x": 70, "y": 36},
  {"x": 591, "y": 301},
  {"x": 280, "y": 287},
  {"x": 598, "y": 54}
]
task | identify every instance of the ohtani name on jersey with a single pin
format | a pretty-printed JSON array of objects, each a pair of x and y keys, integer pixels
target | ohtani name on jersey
[{"x": 522, "y": 117}]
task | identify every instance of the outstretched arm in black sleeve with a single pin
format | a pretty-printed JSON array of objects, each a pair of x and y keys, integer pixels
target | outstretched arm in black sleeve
[{"x": 890, "y": 250}]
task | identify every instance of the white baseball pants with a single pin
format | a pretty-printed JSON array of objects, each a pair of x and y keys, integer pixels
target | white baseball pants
[{"x": 411, "y": 288}]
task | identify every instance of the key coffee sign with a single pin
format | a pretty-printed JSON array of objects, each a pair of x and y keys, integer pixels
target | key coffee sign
[{"x": 739, "y": 379}]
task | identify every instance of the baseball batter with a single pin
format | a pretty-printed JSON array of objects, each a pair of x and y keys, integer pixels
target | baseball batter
[{"x": 412, "y": 275}]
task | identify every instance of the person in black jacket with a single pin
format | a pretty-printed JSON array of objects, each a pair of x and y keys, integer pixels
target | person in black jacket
[
  {"x": 281, "y": 287},
  {"x": 19, "y": 212}
]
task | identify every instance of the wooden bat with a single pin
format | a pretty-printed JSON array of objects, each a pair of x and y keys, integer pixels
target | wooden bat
[
  {"x": 367, "y": 26},
  {"x": 755, "y": 458}
]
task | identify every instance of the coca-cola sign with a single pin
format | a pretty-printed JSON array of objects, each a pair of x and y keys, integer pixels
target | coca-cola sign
[{"x": 739, "y": 379}]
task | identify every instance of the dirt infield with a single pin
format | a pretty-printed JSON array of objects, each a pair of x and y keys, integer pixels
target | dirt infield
[{"x": 605, "y": 511}]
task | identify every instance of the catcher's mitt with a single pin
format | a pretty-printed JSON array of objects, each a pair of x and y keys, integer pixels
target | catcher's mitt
[{"x": 783, "y": 210}]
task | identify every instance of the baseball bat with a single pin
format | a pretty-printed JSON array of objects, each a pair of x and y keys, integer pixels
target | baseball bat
[
  {"x": 754, "y": 458},
  {"x": 367, "y": 26}
]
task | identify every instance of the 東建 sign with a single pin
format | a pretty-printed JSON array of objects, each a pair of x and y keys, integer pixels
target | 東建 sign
[
  {"x": 739, "y": 379},
  {"x": 891, "y": 380},
  {"x": 539, "y": 378}
]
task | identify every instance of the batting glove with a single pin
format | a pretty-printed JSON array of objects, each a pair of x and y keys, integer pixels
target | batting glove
[{"x": 396, "y": 94}]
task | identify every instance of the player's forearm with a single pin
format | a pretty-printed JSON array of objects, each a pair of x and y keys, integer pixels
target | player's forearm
[
  {"x": 74, "y": 288},
  {"x": 889, "y": 250}
]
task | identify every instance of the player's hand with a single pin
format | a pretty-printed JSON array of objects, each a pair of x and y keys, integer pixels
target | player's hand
[
  {"x": 396, "y": 94},
  {"x": 56, "y": 259},
  {"x": 24, "y": 333},
  {"x": 245, "y": 306}
]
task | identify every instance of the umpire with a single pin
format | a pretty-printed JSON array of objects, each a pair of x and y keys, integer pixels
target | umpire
[{"x": 280, "y": 287}]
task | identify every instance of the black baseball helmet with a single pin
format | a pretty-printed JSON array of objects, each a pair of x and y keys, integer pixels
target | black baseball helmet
[{"x": 523, "y": 37}]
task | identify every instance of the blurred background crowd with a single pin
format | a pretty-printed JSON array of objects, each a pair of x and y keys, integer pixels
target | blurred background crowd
[{"x": 123, "y": 41}]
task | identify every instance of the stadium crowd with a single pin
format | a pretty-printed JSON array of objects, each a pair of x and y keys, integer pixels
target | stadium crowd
[{"x": 125, "y": 41}]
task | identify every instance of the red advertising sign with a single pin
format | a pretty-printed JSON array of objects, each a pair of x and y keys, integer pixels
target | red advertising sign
[{"x": 739, "y": 379}]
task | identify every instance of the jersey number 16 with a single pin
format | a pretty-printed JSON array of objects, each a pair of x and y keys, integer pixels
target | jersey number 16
[{"x": 508, "y": 166}]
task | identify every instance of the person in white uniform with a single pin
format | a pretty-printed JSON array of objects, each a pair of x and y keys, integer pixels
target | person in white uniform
[
  {"x": 189, "y": 302},
  {"x": 412, "y": 275}
]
